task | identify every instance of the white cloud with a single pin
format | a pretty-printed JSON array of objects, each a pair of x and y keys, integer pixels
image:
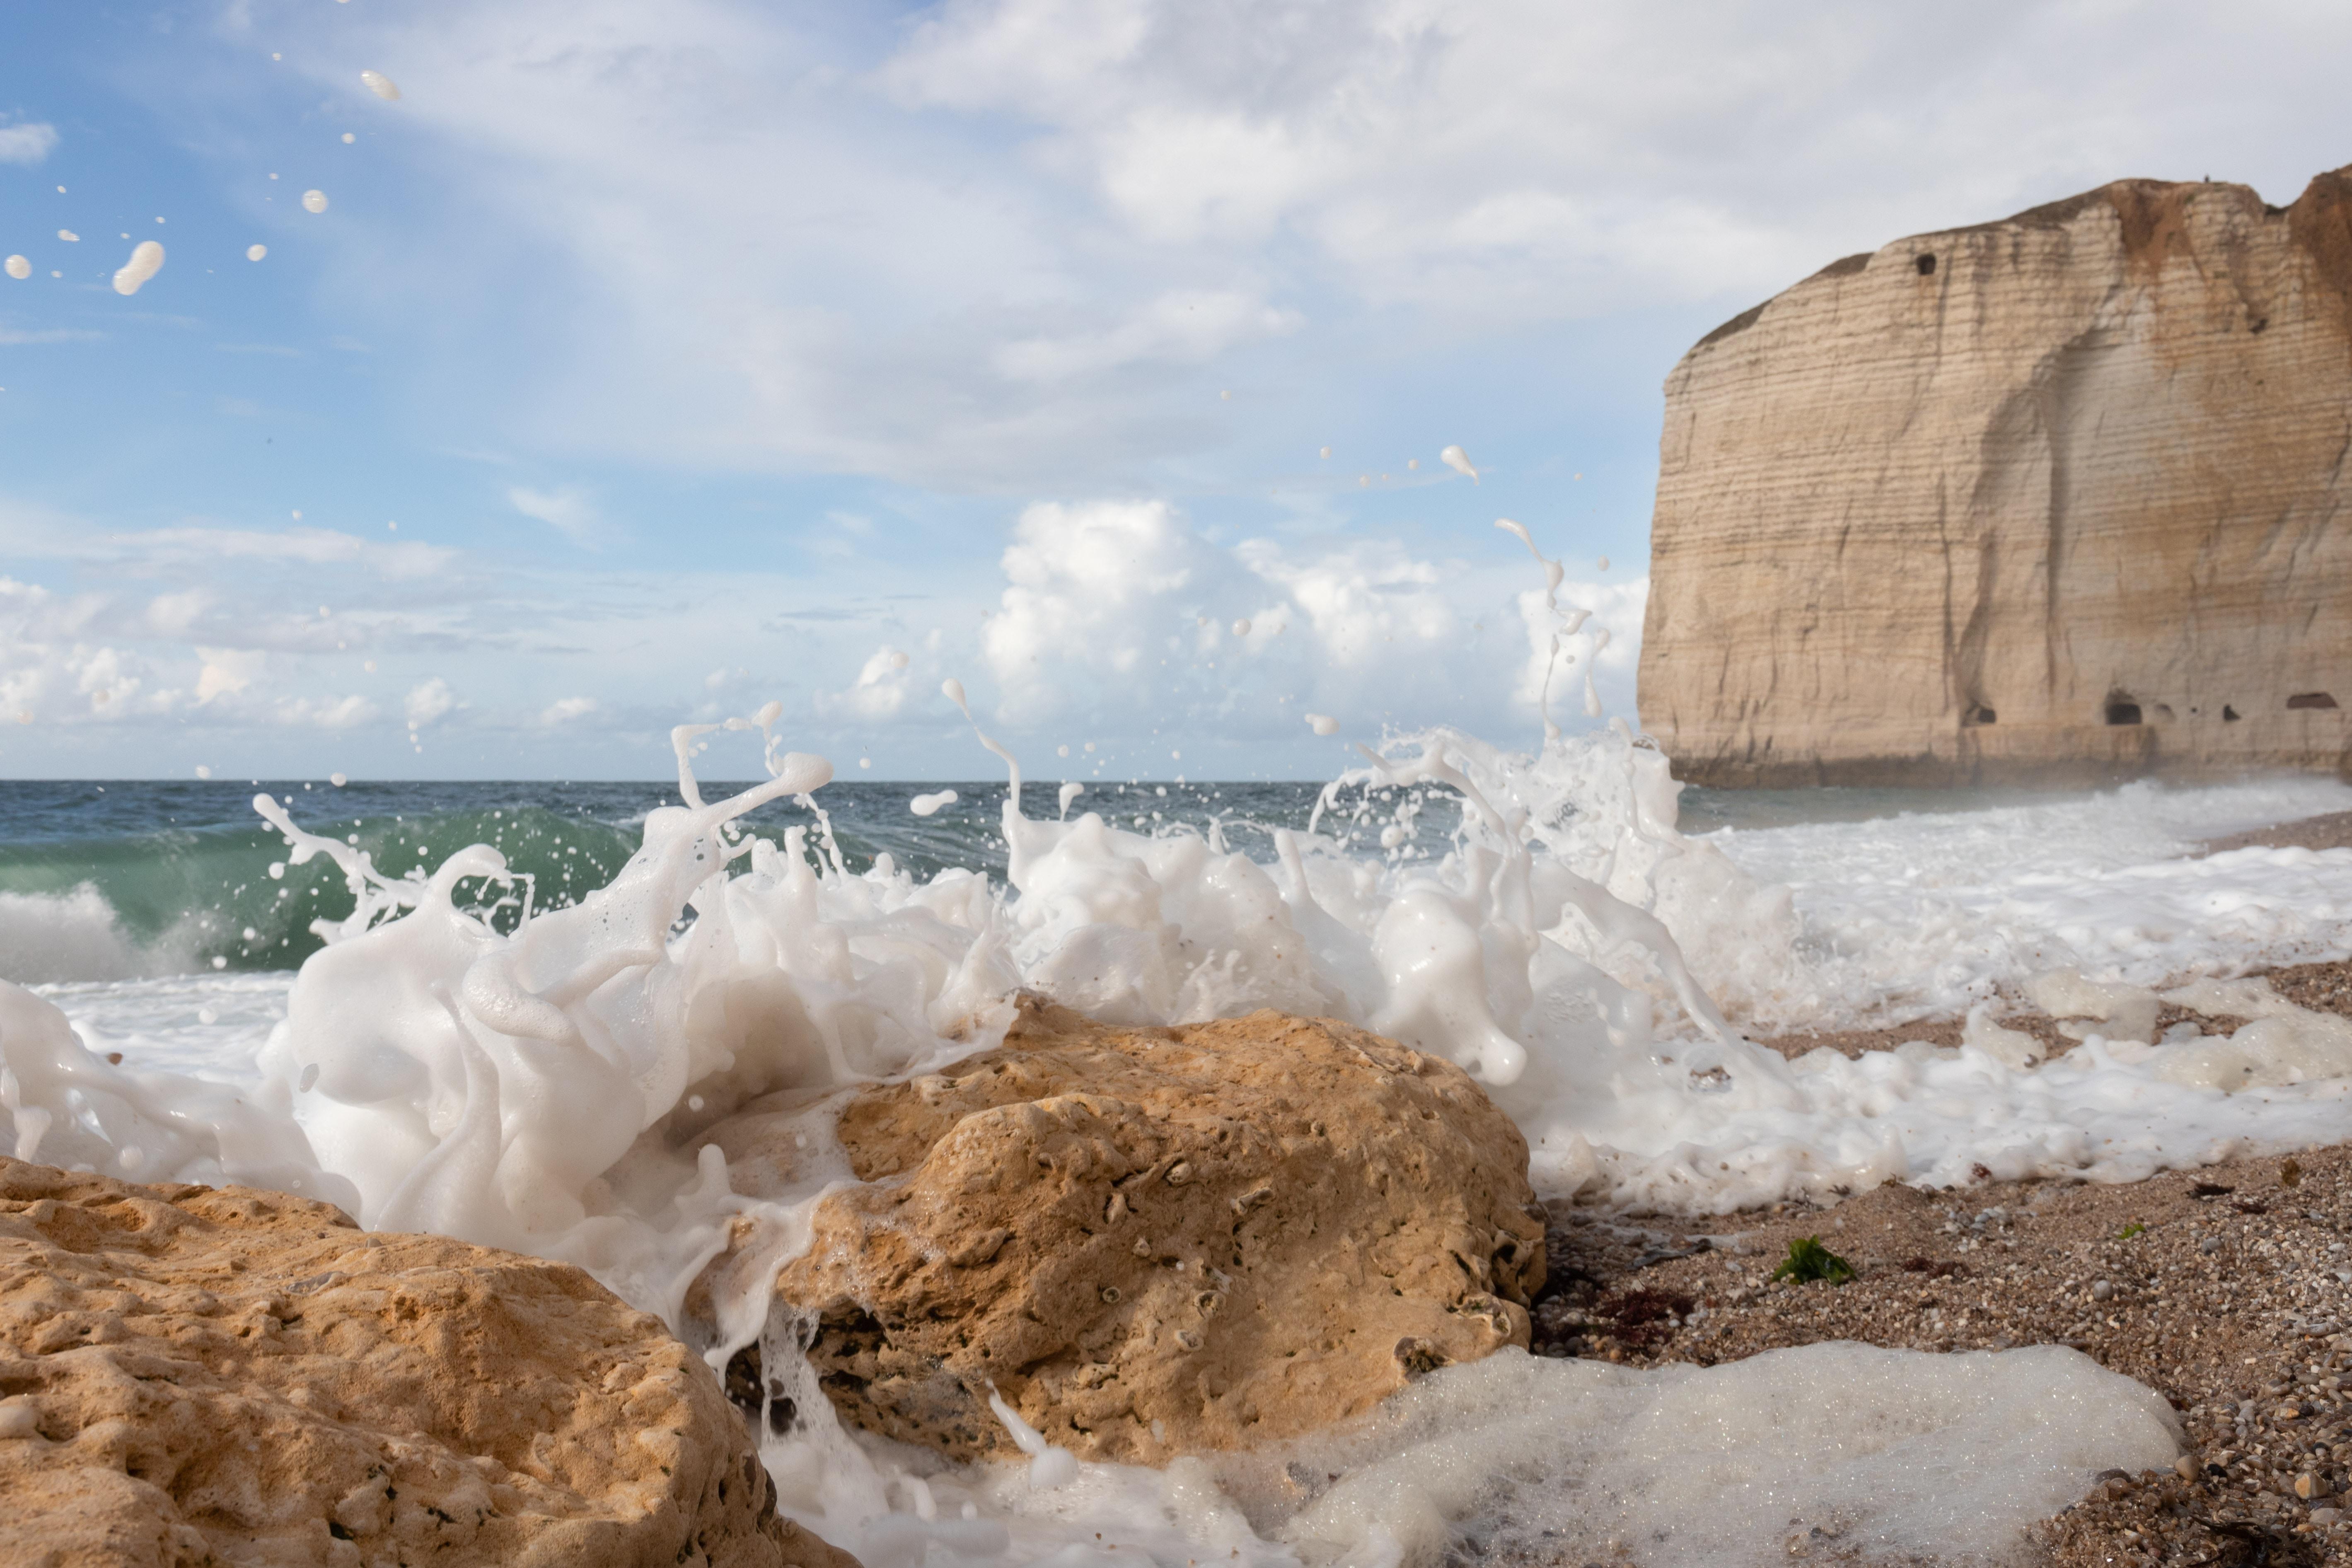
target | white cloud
[
  {"x": 1088, "y": 585},
  {"x": 568, "y": 509},
  {"x": 878, "y": 694},
  {"x": 226, "y": 672},
  {"x": 1191, "y": 327},
  {"x": 38, "y": 533},
  {"x": 1113, "y": 608},
  {"x": 327, "y": 712},
  {"x": 26, "y": 143},
  {"x": 426, "y": 702},
  {"x": 564, "y": 709}
]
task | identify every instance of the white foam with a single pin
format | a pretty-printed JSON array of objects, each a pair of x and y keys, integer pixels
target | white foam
[
  {"x": 1927, "y": 913},
  {"x": 556, "y": 1089},
  {"x": 931, "y": 805},
  {"x": 78, "y": 935},
  {"x": 146, "y": 260},
  {"x": 1889, "y": 1453}
]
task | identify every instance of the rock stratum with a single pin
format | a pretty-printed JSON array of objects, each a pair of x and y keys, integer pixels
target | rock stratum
[
  {"x": 200, "y": 1376},
  {"x": 2057, "y": 499},
  {"x": 1152, "y": 1241}
]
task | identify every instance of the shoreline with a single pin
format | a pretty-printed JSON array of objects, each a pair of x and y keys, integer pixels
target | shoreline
[{"x": 2224, "y": 1289}]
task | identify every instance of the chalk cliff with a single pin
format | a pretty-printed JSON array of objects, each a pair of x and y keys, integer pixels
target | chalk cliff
[{"x": 2058, "y": 498}]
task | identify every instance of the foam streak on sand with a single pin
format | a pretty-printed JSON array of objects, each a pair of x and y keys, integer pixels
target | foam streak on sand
[{"x": 550, "y": 1090}]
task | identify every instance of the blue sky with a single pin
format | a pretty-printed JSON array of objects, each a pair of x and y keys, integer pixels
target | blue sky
[{"x": 705, "y": 353}]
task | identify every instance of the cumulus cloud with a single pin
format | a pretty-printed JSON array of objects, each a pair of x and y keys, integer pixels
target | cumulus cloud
[
  {"x": 878, "y": 694},
  {"x": 227, "y": 671},
  {"x": 428, "y": 701},
  {"x": 28, "y": 143},
  {"x": 1124, "y": 602},
  {"x": 1090, "y": 588}
]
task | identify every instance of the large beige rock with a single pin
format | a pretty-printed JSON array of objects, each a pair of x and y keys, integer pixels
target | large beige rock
[
  {"x": 1159, "y": 1240},
  {"x": 196, "y": 1376},
  {"x": 2059, "y": 498}
]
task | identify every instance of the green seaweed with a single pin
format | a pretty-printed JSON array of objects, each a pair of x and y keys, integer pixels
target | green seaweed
[
  {"x": 1808, "y": 1261},
  {"x": 2135, "y": 1228}
]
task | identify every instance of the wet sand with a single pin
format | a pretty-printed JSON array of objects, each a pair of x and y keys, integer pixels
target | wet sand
[{"x": 2332, "y": 831}]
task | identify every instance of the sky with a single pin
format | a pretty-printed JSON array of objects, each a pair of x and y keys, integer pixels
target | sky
[{"x": 645, "y": 364}]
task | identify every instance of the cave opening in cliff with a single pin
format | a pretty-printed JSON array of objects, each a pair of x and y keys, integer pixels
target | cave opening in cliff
[
  {"x": 1926, "y": 265},
  {"x": 1976, "y": 715},
  {"x": 2229, "y": 715},
  {"x": 2122, "y": 710},
  {"x": 2310, "y": 700}
]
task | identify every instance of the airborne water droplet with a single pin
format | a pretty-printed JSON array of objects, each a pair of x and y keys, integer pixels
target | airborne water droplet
[
  {"x": 381, "y": 85},
  {"x": 145, "y": 262},
  {"x": 256, "y": 252},
  {"x": 314, "y": 201}
]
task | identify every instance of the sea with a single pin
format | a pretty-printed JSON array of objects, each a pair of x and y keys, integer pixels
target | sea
[{"x": 351, "y": 989}]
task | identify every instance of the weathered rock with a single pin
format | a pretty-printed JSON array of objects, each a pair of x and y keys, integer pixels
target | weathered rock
[
  {"x": 194, "y": 1376},
  {"x": 2058, "y": 498},
  {"x": 1152, "y": 1241}
]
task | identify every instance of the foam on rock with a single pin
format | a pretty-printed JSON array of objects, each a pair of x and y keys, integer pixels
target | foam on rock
[
  {"x": 190, "y": 1376},
  {"x": 1153, "y": 1241}
]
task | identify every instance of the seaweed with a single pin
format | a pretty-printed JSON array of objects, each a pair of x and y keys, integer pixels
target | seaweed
[{"x": 1808, "y": 1261}]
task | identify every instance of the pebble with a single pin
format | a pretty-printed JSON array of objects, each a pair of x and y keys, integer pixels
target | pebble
[
  {"x": 2103, "y": 1291},
  {"x": 2211, "y": 1244}
]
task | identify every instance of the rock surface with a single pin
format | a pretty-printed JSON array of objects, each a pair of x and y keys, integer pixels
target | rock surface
[
  {"x": 2060, "y": 497},
  {"x": 1154, "y": 1241},
  {"x": 191, "y": 1375}
]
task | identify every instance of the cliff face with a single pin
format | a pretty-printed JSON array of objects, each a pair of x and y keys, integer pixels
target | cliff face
[{"x": 2059, "y": 498}]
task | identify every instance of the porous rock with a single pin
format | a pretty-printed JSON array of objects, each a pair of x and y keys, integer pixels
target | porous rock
[
  {"x": 1159, "y": 1240},
  {"x": 196, "y": 1376},
  {"x": 2055, "y": 499}
]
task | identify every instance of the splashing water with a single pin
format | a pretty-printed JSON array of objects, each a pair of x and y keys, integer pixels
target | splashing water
[
  {"x": 460, "y": 1059},
  {"x": 146, "y": 260}
]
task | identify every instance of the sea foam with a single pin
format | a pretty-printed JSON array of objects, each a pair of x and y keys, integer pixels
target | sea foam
[{"x": 546, "y": 1079}]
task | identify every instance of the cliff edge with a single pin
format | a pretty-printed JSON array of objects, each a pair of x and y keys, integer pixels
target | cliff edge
[{"x": 2060, "y": 499}]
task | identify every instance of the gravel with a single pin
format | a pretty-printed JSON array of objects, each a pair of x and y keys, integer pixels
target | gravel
[{"x": 2228, "y": 1290}]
